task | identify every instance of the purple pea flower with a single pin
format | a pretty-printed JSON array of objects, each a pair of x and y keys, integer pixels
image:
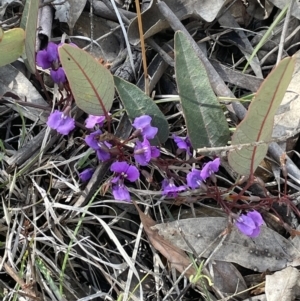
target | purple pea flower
[
  {"x": 183, "y": 143},
  {"x": 46, "y": 57},
  {"x": 249, "y": 224},
  {"x": 123, "y": 171},
  {"x": 142, "y": 124},
  {"x": 170, "y": 189},
  {"x": 120, "y": 192},
  {"x": 58, "y": 76},
  {"x": 86, "y": 174},
  {"x": 60, "y": 122},
  {"x": 92, "y": 120},
  {"x": 92, "y": 140},
  {"x": 210, "y": 168},
  {"x": 194, "y": 178},
  {"x": 143, "y": 152},
  {"x": 101, "y": 148},
  {"x": 103, "y": 153}
]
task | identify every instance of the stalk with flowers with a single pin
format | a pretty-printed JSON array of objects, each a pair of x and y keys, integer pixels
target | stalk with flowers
[{"x": 143, "y": 150}]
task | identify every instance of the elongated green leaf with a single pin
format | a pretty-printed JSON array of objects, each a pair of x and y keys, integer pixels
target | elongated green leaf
[
  {"x": 258, "y": 123},
  {"x": 91, "y": 83},
  {"x": 137, "y": 103},
  {"x": 29, "y": 24},
  {"x": 11, "y": 46},
  {"x": 205, "y": 120}
]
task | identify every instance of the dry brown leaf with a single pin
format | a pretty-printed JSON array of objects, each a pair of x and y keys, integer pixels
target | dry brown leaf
[
  {"x": 269, "y": 251},
  {"x": 154, "y": 22},
  {"x": 283, "y": 285},
  {"x": 176, "y": 257}
]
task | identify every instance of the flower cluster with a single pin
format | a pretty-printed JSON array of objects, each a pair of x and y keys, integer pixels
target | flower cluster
[
  {"x": 196, "y": 177},
  {"x": 250, "y": 223},
  {"x": 49, "y": 58}
]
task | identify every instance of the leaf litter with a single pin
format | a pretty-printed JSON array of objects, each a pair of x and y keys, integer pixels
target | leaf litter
[{"x": 66, "y": 240}]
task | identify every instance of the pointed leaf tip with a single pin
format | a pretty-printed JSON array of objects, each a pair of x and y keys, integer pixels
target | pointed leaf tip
[{"x": 205, "y": 120}]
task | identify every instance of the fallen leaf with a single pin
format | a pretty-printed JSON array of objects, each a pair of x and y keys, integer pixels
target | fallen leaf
[
  {"x": 154, "y": 22},
  {"x": 269, "y": 251},
  {"x": 14, "y": 81},
  {"x": 295, "y": 11},
  {"x": 283, "y": 285}
]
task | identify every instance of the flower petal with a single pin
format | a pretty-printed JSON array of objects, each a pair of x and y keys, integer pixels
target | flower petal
[
  {"x": 142, "y": 121},
  {"x": 66, "y": 126},
  {"x": 86, "y": 174},
  {"x": 102, "y": 155},
  {"x": 119, "y": 167},
  {"x": 92, "y": 140},
  {"x": 54, "y": 119},
  {"x": 132, "y": 173},
  {"x": 256, "y": 217},
  {"x": 52, "y": 52},
  {"x": 42, "y": 59},
  {"x": 121, "y": 192},
  {"x": 149, "y": 132},
  {"x": 58, "y": 76},
  {"x": 92, "y": 120},
  {"x": 194, "y": 178}
]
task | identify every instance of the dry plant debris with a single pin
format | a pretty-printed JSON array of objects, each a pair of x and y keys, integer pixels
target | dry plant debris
[{"x": 149, "y": 150}]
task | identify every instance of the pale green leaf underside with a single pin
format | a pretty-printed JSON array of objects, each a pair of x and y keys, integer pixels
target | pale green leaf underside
[
  {"x": 11, "y": 46},
  {"x": 91, "y": 83},
  {"x": 205, "y": 120},
  {"x": 258, "y": 123}
]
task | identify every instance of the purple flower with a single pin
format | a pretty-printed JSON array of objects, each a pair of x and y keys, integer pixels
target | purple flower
[
  {"x": 86, "y": 174},
  {"x": 92, "y": 120},
  {"x": 46, "y": 57},
  {"x": 101, "y": 148},
  {"x": 124, "y": 171},
  {"x": 143, "y": 152},
  {"x": 194, "y": 178},
  {"x": 120, "y": 192},
  {"x": 60, "y": 122},
  {"x": 143, "y": 125},
  {"x": 92, "y": 140},
  {"x": 170, "y": 189},
  {"x": 58, "y": 76},
  {"x": 183, "y": 143},
  {"x": 210, "y": 168},
  {"x": 103, "y": 153},
  {"x": 249, "y": 224}
]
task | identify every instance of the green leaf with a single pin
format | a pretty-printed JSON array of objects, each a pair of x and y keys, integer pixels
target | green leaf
[
  {"x": 205, "y": 120},
  {"x": 11, "y": 46},
  {"x": 137, "y": 103},
  {"x": 258, "y": 123},
  {"x": 91, "y": 83},
  {"x": 29, "y": 23}
]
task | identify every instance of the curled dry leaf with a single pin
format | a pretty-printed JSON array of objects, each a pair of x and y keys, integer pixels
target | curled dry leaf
[{"x": 176, "y": 257}]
